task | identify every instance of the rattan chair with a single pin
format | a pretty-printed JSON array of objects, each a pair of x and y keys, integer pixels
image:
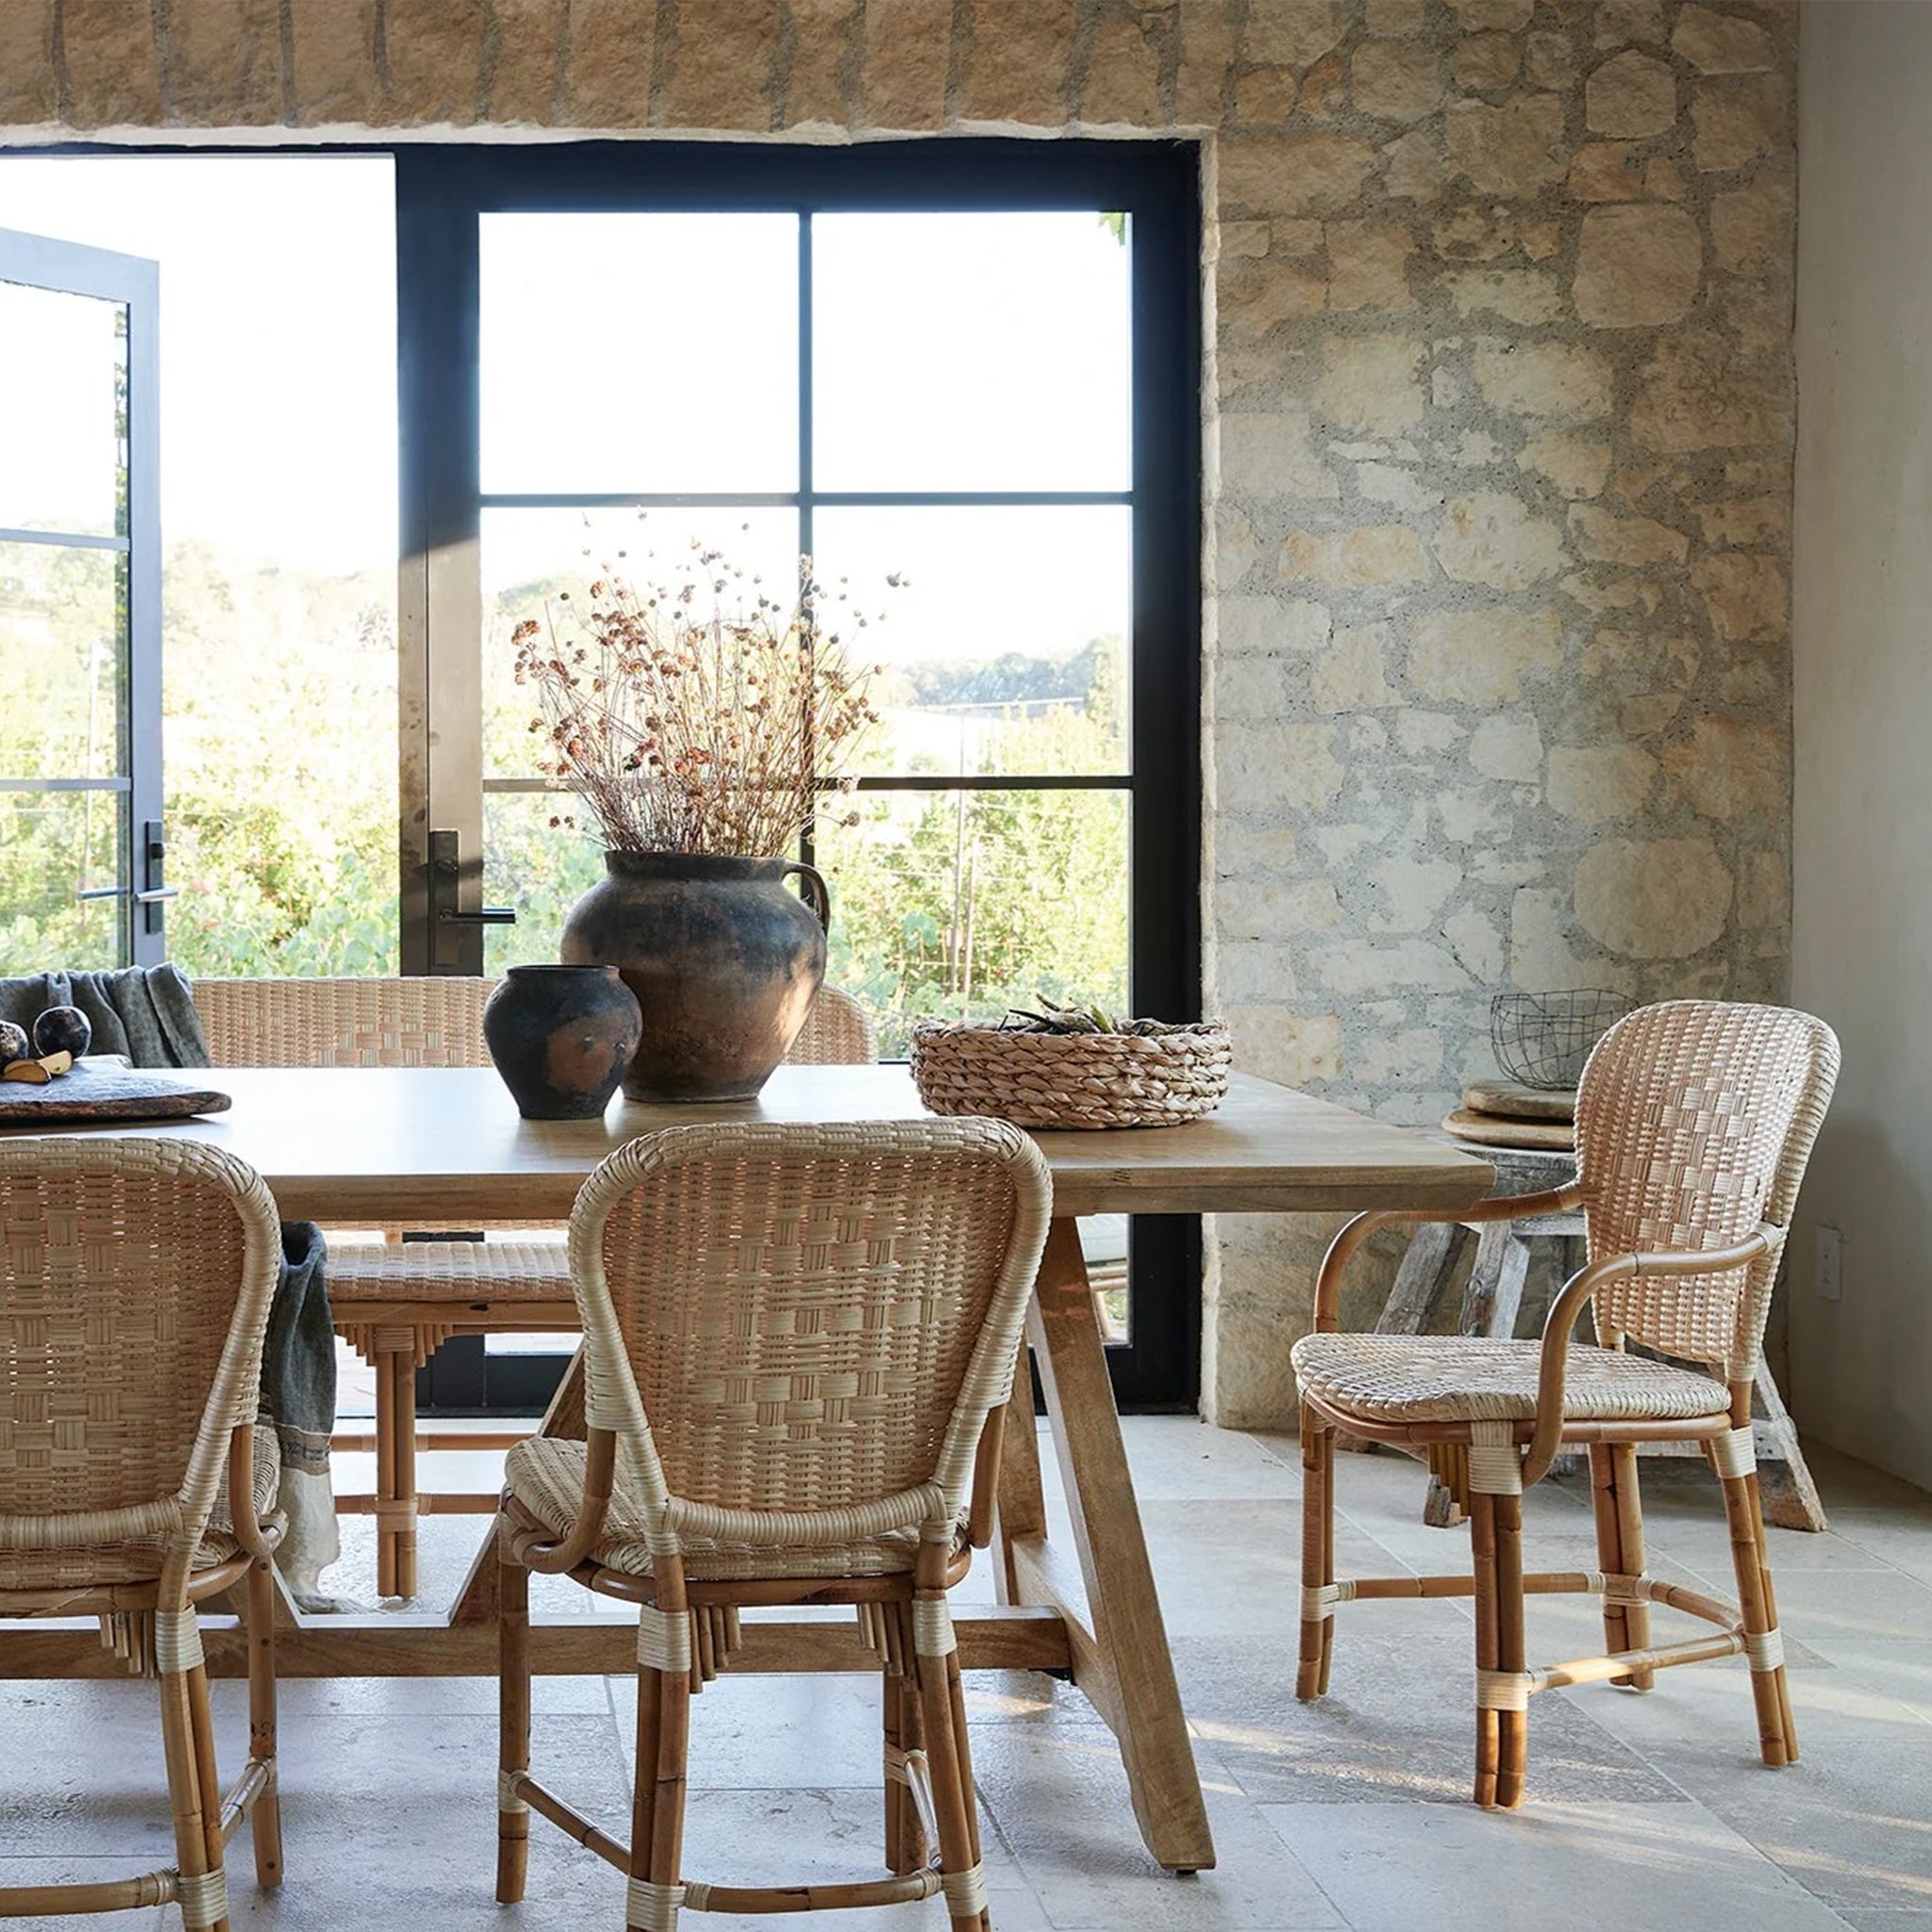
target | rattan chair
[
  {"x": 135, "y": 1282},
  {"x": 397, "y": 1302},
  {"x": 1694, "y": 1119},
  {"x": 794, "y": 1338}
]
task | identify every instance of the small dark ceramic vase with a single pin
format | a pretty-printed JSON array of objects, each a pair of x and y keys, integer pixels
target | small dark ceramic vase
[
  {"x": 561, "y": 1036},
  {"x": 723, "y": 957},
  {"x": 63, "y": 1029}
]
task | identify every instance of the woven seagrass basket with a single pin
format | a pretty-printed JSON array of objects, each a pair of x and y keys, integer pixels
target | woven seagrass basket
[{"x": 1072, "y": 1079}]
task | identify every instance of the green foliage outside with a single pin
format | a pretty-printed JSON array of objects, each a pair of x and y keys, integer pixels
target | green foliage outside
[{"x": 279, "y": 764}]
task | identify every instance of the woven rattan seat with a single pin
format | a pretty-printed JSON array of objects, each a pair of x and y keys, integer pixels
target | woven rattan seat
[
  {"x": 1694, "y": 1122},
  {"x": 136, "y": 1276},
  {"x": 136, "y": 1559},
  {"x": 793, "y": 1338},
  {"x": 547, "y": 1476},
  {"x": 447, "y": 1272},
  {"x": 1471, "y": 1378}
]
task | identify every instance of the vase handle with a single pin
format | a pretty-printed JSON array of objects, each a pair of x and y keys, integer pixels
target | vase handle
[{"x": 816, "y": 893}]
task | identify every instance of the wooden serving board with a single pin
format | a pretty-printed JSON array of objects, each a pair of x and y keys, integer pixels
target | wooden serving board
[
  {"x": 104, "y": 1088},
  {"x": 1514, "y": 1101},
  {"x": 1486, "y": 1130}
]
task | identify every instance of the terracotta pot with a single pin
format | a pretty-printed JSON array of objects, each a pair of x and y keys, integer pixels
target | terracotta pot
[
  {"x": 723, "y": 960},
  {"x": 562, "y": 1038}
]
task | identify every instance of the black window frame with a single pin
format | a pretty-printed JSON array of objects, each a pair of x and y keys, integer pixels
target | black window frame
[{"x": 441, "y": 193}]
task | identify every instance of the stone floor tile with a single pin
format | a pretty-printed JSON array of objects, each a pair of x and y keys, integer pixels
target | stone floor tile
[
  {"x": 1452, "y": 1868},
  {"x": 1827, "y": 1607},
  {"x": 1175, "y": 1457},
  {"x": 1852, "y": 1821},
  {"x": 1062, "y": 1808}
]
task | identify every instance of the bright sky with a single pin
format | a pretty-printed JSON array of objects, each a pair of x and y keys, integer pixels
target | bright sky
[{"x": 620, "y": 352}]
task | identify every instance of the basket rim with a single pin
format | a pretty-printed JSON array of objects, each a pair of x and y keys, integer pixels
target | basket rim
[{"x": 956, "y": 1030}]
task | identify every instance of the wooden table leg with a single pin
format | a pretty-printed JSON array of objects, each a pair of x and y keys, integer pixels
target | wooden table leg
[
  {"x": 1116, "y": 1636},
  {"x": 1022, "y": 1512}
]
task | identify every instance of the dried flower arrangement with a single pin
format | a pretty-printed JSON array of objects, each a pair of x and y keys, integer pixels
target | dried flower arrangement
[{"x": 685, "y": 733}]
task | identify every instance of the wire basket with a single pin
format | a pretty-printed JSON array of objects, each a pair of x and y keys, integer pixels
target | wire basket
[{"x": 1542, "y": 1038}]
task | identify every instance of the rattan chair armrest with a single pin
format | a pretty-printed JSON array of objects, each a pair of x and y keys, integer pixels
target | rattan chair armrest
[
  {"x": 1560, "y": 1326},
  {"x": 1563, "y": 1200},
  {"x": 986, "y": 1480},
  {"x": 593, "y": 1506},
  {"x": 246, "y": 1525}
]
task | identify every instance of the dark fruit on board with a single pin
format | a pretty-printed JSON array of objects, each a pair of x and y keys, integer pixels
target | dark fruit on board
[
  {"x": 62, "y": 1029},
  {"x": 13, "y": 1042}
]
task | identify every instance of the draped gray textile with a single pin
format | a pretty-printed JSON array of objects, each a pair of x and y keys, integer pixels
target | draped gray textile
[{"x": 146, "y": 1012}]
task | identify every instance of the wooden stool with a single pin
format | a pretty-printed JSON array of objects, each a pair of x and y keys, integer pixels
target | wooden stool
[{"x": 1493, "y": 1297}]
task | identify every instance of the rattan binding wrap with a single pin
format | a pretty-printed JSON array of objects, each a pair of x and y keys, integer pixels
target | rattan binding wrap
[{"x": 1072, "y": 1079}]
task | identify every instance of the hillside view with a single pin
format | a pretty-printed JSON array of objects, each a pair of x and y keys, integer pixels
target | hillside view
[{"x": 279, "y": 701}]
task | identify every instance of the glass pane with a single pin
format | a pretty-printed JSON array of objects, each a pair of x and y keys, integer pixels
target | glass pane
[
  {"x": 63, "y": 375},
  {"x": 279, "y": 524},
  {"x": 640, "y": 352},
  {"x": 936, "y": 897},
  {"x": 534, "y": 557},
  {"x": 63, "y": 661},
  {"x": 1004, "y": 646},
  {"x": 1103, "y": 1239},
  {"x": 971, "y": 352},
  {"x": 54, "y": 846},
  {"x": 540, "y": 869}
]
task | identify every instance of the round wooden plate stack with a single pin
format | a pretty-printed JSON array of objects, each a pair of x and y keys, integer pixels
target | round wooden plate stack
[{"x": 1503, "y": 1113}]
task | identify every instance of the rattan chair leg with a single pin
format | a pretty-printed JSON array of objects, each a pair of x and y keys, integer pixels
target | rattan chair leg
[
  {"x": 265, "y": 1819},
  {"x": 1482, "y": 1551},
  {"x": 1618, "y": 1504},
  {"x": 385, "y": 1475},
  {"x": 186, "y": 1797},
  {"x": 656, "y": 1836},
  {"x": 1318, "y": 1553},
  {"x": 943, "y": 1707},
  {"x": 905, "y": 1846},
  {"x": 513, "y": 1728},
  {"x": 206, "y": 1777},
  {"x": 1778, "y": 1736},
  {"x": 1512, "y": 1727}
]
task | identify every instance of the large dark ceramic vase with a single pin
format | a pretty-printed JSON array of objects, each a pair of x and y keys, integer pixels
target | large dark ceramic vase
[
  {"x": 561, "y": 1036},
  {"x": 723, "y": 957}
]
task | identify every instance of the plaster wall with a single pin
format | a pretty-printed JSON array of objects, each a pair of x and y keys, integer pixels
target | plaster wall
[
  {"x": 1498, "y": 409},
  {"x": 1862, "y": 667}
]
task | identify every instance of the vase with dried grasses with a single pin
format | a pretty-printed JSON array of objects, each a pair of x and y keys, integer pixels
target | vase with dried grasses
[{"x": 701, "y": 747}]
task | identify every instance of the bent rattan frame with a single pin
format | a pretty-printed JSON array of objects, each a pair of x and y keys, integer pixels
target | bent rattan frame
[
  {"x": 135, "y": 1281},
  {"x": 1694, "y": 1122},
  {"x": 397, "y": 1303},
  {"x": 794, "y": 1338}
]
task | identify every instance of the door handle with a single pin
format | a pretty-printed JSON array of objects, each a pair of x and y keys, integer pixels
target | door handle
[
  {"x": 445, "y": 879},
  {"x": 489, "y": 915}
]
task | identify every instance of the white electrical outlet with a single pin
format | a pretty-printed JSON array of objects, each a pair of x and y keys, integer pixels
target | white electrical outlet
[{"x": 1831, "y": 1268}]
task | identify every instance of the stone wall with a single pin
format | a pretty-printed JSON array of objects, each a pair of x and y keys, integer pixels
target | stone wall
[{"x": 1499, "y": 414}]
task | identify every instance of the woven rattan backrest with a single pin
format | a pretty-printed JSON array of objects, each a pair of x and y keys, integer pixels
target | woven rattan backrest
[
  {"x": 344, "y": 1023},
  {"x": 1694, "y": 1119},
  {"x": 838, "y": 1032},
  {"x": 812, "y": 1319},
  {"x": 135, "y": 1282}
]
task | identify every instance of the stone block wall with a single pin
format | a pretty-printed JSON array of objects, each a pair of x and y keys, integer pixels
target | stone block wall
[{"x": 1499, "y": 412}]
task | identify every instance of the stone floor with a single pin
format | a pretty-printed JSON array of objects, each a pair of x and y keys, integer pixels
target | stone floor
[{"x": 1647, "y": 1812}]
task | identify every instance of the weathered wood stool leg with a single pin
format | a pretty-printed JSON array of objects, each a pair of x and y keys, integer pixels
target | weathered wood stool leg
[{"x": 1489, "y": 1306}]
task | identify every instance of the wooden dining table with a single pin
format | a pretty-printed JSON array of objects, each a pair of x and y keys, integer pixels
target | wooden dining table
[{"x": 444, "y": 1147}]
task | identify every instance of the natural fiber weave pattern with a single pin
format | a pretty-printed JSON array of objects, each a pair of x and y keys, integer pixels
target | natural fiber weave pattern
[
  {"x": 1072, "y": 1079},
  {"x": 135, "y": 1279},
  {"x": 1695, "y": 1120},
  {"x": 448, "y": 1271},
  {"x": 547, "y": 1476},
  {"x": 838, "y": 1032},
  {"x": 816, "y": 1320},
  {"x": 431, "y": 1022},
  {"x": 1473, "y": 1378},
  {"x": 133, "y": 1559}
]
